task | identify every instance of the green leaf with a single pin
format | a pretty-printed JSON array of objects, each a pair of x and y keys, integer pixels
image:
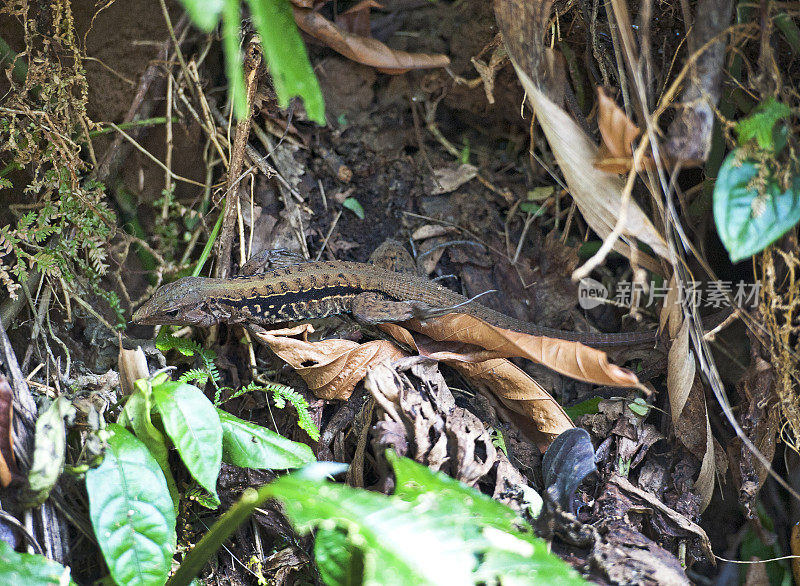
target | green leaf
[
  {"x": 131, "y": 511},
  {"x": 50, "y": 450},
  {"x": 252, "y": 446},
  {"x": 761, "y": 124},
  {"x": 136, "y": 414},
  {"x": 354, "y": 206},
  {"x": 586, "y": 407},
  {"x": 192, "y": 423},
  {"x": 415, "y": 480},
  {"x": 639, "y": 406},
  {"x": 30, "y": 569},
  {"x": 203, "y": 13},
  {"x": 434, "y": 530},
  {"x": 750, "y": 210},
  {"x": 286, "y": 56},
  {"x": 337, "y": 561}
]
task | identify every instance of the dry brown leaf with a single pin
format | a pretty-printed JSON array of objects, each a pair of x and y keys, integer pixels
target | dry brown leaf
[
  {"x": 704, "y": 485},
  {"x": 618, "y": 133},
  {"x": 132, "y": 366},
  {"x": 597, "y": 194},
  {"x": 331, "y": 368},
  {"x": 571, "y": 359},
  {"x": 542, "y": 418},
  {"x": 8, "y": 464},
  {"x": 680, "y": 372},
  {"x": 681, "y": 382},
  {"x": 670, "y": 514},
  {"x": 356, "y": 18},
  {"x": 363, "y": 49}
]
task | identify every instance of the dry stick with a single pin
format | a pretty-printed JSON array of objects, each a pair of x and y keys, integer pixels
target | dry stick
[
  {"x": 251, "y": 63},
  {"x": 168, "y": 158}
]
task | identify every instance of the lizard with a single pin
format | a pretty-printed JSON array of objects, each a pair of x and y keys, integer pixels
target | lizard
[{"x": 372, "y": 293}]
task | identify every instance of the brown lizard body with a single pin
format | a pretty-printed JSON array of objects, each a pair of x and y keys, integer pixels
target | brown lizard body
[{"x": 319, "y": 289}]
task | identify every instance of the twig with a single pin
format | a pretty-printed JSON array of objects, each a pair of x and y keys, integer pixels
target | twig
[{"x": 232, "y": 204}]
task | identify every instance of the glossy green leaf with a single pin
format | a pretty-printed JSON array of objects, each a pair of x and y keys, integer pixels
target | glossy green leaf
[
  {"x": 204, "y": 13},
  {"x": 252, "y": 446},
  {"x": 433, "y": 531},
  {"x": 192, "y": 423},
  {"x": 131, "y": 511},
  {"x": 750, "y": 210},
  {"x": 30, "y": 569},
  {"x": 286, "y": 56},
  {"x": 136, "y": 415}
]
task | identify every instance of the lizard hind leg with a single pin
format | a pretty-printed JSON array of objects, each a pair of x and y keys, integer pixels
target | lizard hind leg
[{"x": 374, "y": 308}]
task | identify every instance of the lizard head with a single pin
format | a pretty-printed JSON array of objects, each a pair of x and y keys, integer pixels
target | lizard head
[{"x": 181, "y": 303}]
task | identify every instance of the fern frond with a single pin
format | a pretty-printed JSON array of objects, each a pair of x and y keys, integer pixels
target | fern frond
[
  {"x": 282, "y": 394},
  {"x": 195, "y": 375}
]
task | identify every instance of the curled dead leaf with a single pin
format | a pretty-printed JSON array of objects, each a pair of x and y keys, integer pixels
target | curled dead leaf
[
  {"x": 571, "y": 359},
  {"x": 356, "y": 18},
  {"x": 539, "y": 416},
  {"x": 363, "y": 49},
  {"x": 618, "y": 133},
  {"x": 332, "y": 367}
]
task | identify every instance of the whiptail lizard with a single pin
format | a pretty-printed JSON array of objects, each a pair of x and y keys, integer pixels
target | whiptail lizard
[{"x": 370, "y": 293}]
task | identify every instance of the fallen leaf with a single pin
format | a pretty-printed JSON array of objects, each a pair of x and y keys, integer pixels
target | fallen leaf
[
  {"x": 571, "y": 359},
  {"x": 450, "y": 178},
  {"x": 8, "y": 464},
  {"x": 680, "y": 372},
  {"x": 618, "y": 133},
  {"x": 363, "y": 49},
  {"x": 533, "y": 410},
  {"x": 332, "y": 367},
  {"x": 356, "y": 18}
]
